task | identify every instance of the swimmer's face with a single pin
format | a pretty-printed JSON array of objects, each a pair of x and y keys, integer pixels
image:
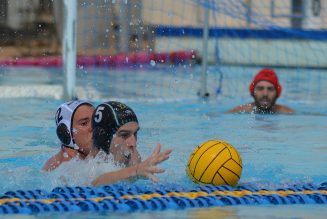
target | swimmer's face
[
  {"x": 82, "y": 127},
  {"x": 123, "y": 144},
  {"x": 265, "y": 95}
]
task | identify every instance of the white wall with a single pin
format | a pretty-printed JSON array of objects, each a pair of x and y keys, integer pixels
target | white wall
[{"x": 296, "y": 53}]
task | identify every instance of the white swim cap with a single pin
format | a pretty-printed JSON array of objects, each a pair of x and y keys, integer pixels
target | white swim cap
[{"x": 64, "y": 120}]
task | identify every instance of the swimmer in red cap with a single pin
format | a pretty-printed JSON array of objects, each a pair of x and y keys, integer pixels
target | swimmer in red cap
[
  {"x": 115, "y": 127},
  {"x": 74, "y": 130},
  {"x": 265, "y": 89}
]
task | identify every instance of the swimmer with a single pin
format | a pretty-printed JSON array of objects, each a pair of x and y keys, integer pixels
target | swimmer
[
  {"x": 115, "y": 127},
  {"x": 74, "y": 130},
  {"x": 265, "y": 89}
]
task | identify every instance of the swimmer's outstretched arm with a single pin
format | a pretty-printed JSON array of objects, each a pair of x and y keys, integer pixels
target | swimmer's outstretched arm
[{"x": 146, "y": 168}]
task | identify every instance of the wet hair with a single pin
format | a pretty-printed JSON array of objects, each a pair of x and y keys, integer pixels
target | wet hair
[{"x": 108, "y": 117}]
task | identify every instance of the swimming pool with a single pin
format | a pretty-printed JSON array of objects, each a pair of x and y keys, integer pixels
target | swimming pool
[{"x": 277, "y": 150}]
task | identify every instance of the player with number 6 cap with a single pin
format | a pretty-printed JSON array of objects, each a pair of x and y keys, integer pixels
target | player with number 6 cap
[
  {"x": 115, "y": 127},
  {"x": 74, "y": 130}
]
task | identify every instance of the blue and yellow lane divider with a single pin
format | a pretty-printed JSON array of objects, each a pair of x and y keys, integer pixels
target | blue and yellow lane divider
[{"x": 133, "y": 198}]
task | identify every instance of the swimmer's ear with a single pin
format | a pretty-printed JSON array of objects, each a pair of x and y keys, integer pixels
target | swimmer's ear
[
  {"x": 63, "y": 134},
  {"x": 100, "y": 139}
]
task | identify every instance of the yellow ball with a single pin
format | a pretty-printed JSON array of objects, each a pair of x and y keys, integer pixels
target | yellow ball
[{"x": 215, "y": 162}]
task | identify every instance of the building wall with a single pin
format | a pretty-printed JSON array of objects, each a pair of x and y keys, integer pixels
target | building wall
[
  {"x": 188, "y": 13},
  {"x": 20, "y": 12},
  {"x": 231, "y": 14}
]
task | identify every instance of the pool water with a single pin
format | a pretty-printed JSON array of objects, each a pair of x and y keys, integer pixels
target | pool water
[{"x": 277, "y": 150}]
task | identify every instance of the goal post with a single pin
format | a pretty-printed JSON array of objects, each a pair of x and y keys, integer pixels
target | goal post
[
  {"x": 147, "y": 33},
  {"x": 69, "y": 48}
]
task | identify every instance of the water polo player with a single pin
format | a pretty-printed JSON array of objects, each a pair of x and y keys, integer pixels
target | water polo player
[
  {"x": 74, "y": 130},
  {"x": 115, "y": 128},
  {"x": 265, "y": 89}
]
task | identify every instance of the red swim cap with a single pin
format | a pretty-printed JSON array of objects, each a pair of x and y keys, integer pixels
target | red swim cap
[{"x": 266, "y": 75}]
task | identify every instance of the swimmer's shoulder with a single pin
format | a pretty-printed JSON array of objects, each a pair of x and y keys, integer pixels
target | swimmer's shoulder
[
  {"x": 56, "y": 160},
  {"x": 52, "y": 163},
  {"x": 283, "y": 109},
  {"x": 244, "y": 108}
]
